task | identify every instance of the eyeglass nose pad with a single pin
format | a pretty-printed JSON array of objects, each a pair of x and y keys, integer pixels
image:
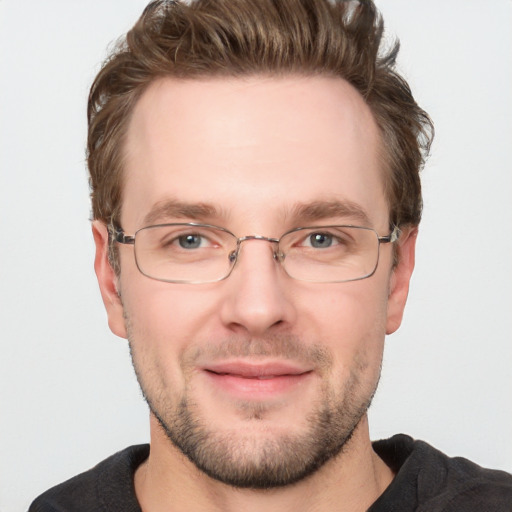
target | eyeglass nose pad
[{"x": 279, "y": 256}]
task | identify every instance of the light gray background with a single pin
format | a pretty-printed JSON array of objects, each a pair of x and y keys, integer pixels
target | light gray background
[{"x": 68, "y": 394}]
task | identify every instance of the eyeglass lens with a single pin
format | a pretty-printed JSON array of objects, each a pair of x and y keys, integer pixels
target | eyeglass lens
[{"x": 200, "y": 254}]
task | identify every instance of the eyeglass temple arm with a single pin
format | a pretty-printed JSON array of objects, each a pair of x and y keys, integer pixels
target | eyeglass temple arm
[
  {"x": 392, "y": 237},
  {"x": 119, "y": 236}
]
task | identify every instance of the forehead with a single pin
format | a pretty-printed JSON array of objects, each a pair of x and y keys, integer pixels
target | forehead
[{"x": 252, "y": 147}]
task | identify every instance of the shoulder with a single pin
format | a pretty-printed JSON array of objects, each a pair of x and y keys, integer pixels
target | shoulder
[
  {"x": 107, "y": 486},
  {"x": 431, "y": 481}
]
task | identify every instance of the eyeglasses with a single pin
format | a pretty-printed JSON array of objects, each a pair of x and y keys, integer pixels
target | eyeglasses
[{"x": 202, "y": 253}]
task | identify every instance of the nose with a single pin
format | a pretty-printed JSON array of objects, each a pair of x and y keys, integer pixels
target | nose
[{"x": 258, "y": 291}]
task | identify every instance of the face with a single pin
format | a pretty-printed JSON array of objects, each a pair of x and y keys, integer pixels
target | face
[{"x": 259, "y": 379}]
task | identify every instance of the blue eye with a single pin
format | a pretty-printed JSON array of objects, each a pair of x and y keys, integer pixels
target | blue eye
[
  {"x": 320, "y": 240},
  {"x": 190, "y": 241}
]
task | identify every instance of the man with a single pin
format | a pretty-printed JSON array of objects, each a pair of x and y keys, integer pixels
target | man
[{"x": 255, "y": 186}]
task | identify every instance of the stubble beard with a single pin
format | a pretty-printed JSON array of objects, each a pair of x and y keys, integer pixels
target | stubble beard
[{"x": 262, "y": 462}]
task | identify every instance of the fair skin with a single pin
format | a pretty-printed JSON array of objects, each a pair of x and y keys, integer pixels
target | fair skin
[{"x": 254, "y": 150}]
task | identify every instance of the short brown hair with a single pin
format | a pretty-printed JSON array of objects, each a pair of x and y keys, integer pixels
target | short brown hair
[{"x": 216, "y": 38}]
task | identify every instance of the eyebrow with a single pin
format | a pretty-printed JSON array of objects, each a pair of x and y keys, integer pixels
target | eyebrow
[
  {"x": 172, "y": 209},
  {"x": 300, "y": 213},
  {"x": 320, "y": 210}
]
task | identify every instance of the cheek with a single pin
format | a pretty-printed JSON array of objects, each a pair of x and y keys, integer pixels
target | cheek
[
  {"x": 351, "y": 311},
  {"x": 164, "y": 318},
  {"x": 351, "y": 321},
  {"x": 159, "y": 324},
  {"x": 358, "y": 346}
]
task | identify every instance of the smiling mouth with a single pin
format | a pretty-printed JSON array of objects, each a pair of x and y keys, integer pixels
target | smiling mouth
[
  {"x": 258, "y": 377},
  {"x": 256, "y": 382},
  {"x": 261, "y": 371}
]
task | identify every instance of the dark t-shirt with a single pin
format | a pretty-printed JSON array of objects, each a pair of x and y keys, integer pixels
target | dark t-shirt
[{"x": 426, "y": 481}]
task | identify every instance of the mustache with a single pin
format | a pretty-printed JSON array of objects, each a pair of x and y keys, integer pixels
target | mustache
[{"x": 285, "y": 347}]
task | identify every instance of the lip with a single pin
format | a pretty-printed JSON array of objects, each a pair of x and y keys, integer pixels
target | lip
[
  {"x": 253, "y": 381},
  {"x": 252, "y": 370}
]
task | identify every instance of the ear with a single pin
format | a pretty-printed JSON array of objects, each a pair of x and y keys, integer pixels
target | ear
[
  {"x": 400, "y": 278},
  {"x": 108, "y": 280}
]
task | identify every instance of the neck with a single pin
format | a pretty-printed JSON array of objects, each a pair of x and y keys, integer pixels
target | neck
[{"x": 352, "y": 481}]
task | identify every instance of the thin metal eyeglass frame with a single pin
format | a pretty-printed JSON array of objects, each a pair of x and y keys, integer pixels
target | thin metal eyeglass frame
[{"x": 119, "y": 236}]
